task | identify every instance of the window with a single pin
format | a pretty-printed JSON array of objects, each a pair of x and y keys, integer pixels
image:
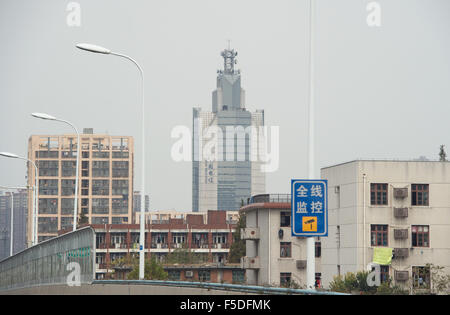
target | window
[
  {"x": 238, "y": 276},
  {"x": 318, "y": 249},
  {"x": 384, "y": 273},
  {"x": 119, "y": 206},
  {"x": 120, "y": 187},
  {"x": 120, "y": 169},
  {"x": 66, "y": 223},
  {"x": 285, "y": 249},
  {"x": 419, "y": 194},
  {"x": 48, "y": 186},
  {"x": 119, "y": 220},
  {"x": 379, "y": 235},
  {"x": 378, "y": 194},
  {"x": 100, "y": 205},
  {"x": 285, "y": 279},
  {"x": 48, "y": 168},
  {"x": 318, "y": 277},
  {"x": 67, "y": 187},
  {"x": 285, "y": 219},
  {"x": 67, "y": 205},
  {"x": 99, "y": 220},
  {"x": 100, "y": 187},
  {"x": 421, "y": 277},
  {"x": 204, "y": 275},
  {"x": 174, "y": 275},
  {"x": 420, "y": 235},
  {"x": 47, "y": 225},
  {"x": 48, "y": 205},
  {"x": 100, "y": 168}
]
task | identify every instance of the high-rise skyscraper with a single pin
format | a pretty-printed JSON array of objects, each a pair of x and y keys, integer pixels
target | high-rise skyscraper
[{"x": 224, "y": 172}]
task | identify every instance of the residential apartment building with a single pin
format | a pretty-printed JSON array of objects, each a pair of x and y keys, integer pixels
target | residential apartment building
[
  {"x": 403, "y": 205},
  {"x": 105, "y": 180},
  {"x": 273, "y": 255},
  {"x": 208, "y": 236},
  {"x": 19, "y": 197},
  {"x": 137, "y": 202},
  {"x": 227, "y": 161}
]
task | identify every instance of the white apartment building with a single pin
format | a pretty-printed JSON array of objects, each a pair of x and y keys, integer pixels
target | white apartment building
[
  {"x": 273, "y": 256},
  {"x": 403, "y": 205}
]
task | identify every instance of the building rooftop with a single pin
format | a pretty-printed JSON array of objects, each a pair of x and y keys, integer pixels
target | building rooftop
[{"x": 417, "y": 160}]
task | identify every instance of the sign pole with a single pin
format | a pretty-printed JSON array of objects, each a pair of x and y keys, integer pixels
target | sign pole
[{"x": 310, "y": 244}]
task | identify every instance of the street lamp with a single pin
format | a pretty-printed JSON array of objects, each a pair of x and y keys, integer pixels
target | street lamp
[
  {"x": 11, "y": 237},
  {"x": 105, "y": 51},
  {"x": 35, "y": 203},
  {"x": 75, "y": 204}
]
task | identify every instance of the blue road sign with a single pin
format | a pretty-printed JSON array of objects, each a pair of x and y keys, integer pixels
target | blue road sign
[{"x": 309, "y": 206}]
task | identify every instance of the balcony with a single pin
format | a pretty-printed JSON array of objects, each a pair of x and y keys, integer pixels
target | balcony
[
  {"x": 159, "y": 245},
  {"x": 284, "y": 198},
  {"x": 251, "y": 233},
  {"x": 118, "y": 246},
  {"x": 250, "y": 262},
  {"x": 220, "y": 246}
]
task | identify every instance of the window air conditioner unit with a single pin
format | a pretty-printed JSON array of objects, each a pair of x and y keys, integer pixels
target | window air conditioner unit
[
  {"x": 401, "y": 212},
  {"x": 301, "y": 264},
  {"x": 401, "y": 252},
  {"x": 189, "y": 273},
  {"x": 400, "y": 192},
  {"x": 401, "y": 234},
  {"x": 401, "y": 275}
]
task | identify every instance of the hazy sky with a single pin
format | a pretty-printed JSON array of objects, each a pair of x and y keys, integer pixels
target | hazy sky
[{"x": 381, "y": 92}]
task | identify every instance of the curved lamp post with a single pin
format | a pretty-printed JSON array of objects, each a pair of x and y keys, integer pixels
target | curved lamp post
[
  {"x": 35, "y": 203},
  {"x": 75, "y": 204},
  {"x": 105, "y": 51}
]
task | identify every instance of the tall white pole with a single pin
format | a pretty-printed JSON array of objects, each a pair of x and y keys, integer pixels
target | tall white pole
[
  {"x": 142, "y": 215},
  {"x": 310, "y": 243},
  {"x": 75, "y": 203},
  {"x": 12, "y": 226},
  {"x": 102, "y": 50},
  {"x": 34, "y": 225},
  {"x": 35, "y": 205}
]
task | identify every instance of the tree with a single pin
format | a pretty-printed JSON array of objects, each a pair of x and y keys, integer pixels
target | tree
[
  {"x": 357, "y": 282},
  {"x": 153, "y": 270},
  {"x": 82, "y": 219},
  {"x": 440, "y": 281},
  {"x": 185, "y": 256},
  {"x": 237, "y": 249},
  {"x": 442, "y": 154}
]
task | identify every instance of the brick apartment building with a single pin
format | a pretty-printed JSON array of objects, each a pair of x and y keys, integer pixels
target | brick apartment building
[{"x": 208, "y": 235}]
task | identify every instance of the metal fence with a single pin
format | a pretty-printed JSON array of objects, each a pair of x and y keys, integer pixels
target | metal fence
[
  {"x": 251, "y": 289},
  {"x": 49, "y": 262},
  {"x": 286, "y": 198}
]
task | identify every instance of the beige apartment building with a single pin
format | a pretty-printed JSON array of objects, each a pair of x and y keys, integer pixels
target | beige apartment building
[
  {"x": 403, "y": 205},
  {"x": 273, "y": 256},
  {"x": 105, "y": 191}
]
